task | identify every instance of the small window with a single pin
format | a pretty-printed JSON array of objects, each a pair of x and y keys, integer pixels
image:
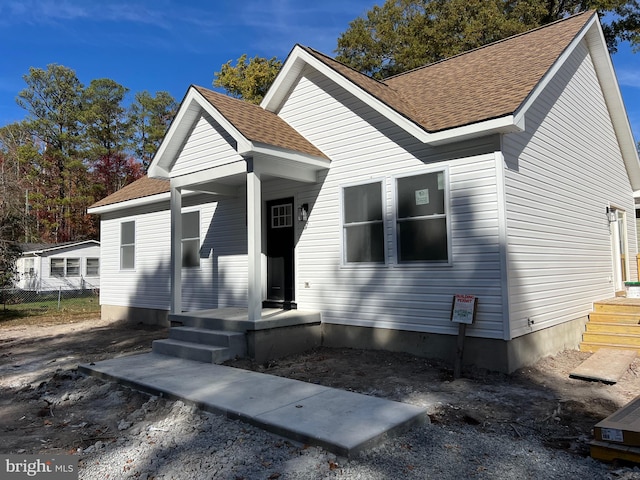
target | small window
[
  {"x": 93, "y": 267},
  {"x": 27, "y": 267},
  {"x": 127, "y": 245},
  {"x": 57, "y": 267},
  {"x": 282, "y": 216},
  {"x": 421, "y": 218},
  {"x": 191, "y": 239},
  {"x": 73, "y": 267},
  {"x": 362, "y": 223}
]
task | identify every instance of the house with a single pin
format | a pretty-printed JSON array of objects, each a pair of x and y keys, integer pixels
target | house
[
  {"x": 45, "y": 267},
  {"x": 506, "y": 173}
]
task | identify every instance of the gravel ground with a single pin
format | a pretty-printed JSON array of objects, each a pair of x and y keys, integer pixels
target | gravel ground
[
  {"x": 171, "y": 440},
  {"x": 530, "y": 425}
]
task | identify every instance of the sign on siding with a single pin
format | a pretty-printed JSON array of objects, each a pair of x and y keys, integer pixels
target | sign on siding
[{"x": 464, "y": 309}]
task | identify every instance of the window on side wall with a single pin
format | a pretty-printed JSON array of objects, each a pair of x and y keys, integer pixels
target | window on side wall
[
  {"x": 422, "y": 218},
  {"x": 73, "y": 267},
  {"x": 57, "y": 267},
  {"x": 191, "y": 239},
  {"x": 93, "y": 267},
  {"x": 127, "y": 245},
  {"x": 363, "y": 226}
]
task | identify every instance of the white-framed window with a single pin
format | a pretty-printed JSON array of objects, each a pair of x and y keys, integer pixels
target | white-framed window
[
  {"x": 362, "y": 223},
  {"x": 92, "y": 267},
  {"x": 281, "y": 216},
  {"x": 57, "y": 267},
  {"x": 191, "y": 239},
  {"x": 72, "y": 267},
  {"x": 127, "y": 245},
  {"x": 421, "y": 217},
  {"x": 28, "y": 267}
]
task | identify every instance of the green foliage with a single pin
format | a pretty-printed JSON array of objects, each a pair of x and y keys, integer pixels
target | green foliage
[
  {"x": 405, "y": 34},
  {"x": 248, "y": 80},
  {"x": 73, "y": 148},
  {"x": 150, "y": 116}
]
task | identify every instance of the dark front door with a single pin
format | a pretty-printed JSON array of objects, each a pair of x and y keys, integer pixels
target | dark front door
[{"x": 280, "y": 242}]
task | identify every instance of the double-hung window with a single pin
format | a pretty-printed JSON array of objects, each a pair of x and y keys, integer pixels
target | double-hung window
[
  {"x": 422, "y": 218},
  {"x": 57, "y": 267},
  {"x": 93, "y": 267},
  {"x": 127, "y": 245},
  {"x": 73, "y": 267},
  {"x": 191, "y": 239},
  {"x": 363, "y": 226}
]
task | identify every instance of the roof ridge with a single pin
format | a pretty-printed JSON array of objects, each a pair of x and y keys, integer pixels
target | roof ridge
[{"x": 503, "y": 40}]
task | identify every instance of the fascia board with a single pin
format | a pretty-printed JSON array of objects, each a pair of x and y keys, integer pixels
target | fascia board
[
  {"x": 136, "y": 202},
  {"x": 160, "y": 166},
  {"x": 506, "y": 124},
  {"x": 298, "y": 157},
  {"x": 61, "y": 247}
]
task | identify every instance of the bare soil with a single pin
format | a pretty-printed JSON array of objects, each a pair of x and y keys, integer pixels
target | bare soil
[{"x": 46, "y": 405}]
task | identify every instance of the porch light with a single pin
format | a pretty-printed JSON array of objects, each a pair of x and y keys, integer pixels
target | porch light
[
  {"x": 611, "y": 215},
  {"x": 303, "y": 212}
]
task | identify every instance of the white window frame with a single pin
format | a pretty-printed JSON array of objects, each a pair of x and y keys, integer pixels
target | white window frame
[
  {"x": 447, "y": 216},
  {"x": 60, "y": 260},
  {"x": 123, "y": 245},
  {"x": 343, "y": 239},
  {"x": 86, "y": 267},
  {"x": 67, "y": 267}
]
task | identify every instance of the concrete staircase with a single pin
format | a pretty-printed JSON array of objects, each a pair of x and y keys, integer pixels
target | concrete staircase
[
  {"x": 613, "y": 323},
  {"x": 206, "y": 340}
]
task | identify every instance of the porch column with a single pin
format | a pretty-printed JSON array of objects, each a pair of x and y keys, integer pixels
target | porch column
[
  {"x": 254, "y": 233},
  {"x": 176, "y": 250}
]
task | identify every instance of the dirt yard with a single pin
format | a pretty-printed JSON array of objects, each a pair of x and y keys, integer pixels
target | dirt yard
[{"x": 45, "y": 405}]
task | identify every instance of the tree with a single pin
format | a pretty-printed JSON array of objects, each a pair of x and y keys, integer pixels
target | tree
[
  {"x": 104, "y": 118},
  {"x": 149, "y": 119},
  {"x": 405, "y": 34},
  {"x": 53, "y": 100},
  {"x": 248, "y": 80}
]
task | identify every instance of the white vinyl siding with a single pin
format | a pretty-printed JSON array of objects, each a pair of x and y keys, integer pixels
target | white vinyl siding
[
  {"x": 206, "y": 147},
  {"x": 560, "y": 176},
  {"x": 363, "y": 147},
  {"x": 221, "y": 280}
]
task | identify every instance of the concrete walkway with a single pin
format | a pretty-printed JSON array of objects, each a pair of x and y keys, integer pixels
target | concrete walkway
[{"x": 342, "y": 422}]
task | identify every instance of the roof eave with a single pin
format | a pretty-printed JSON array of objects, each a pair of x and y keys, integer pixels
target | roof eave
[
  {"x": 135, "y": 202},
  {"x": 505, "y": 124}
]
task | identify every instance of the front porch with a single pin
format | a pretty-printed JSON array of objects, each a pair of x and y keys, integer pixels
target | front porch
[{"x": 217, "y": 335}]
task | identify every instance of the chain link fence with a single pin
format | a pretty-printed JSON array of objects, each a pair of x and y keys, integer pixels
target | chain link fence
[{"x": 17, "y": 302}]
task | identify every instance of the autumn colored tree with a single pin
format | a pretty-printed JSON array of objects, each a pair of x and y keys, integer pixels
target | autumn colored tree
[{"x": 248, "y": 80}]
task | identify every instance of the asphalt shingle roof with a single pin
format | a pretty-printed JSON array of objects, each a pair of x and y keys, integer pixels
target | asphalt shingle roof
[{"x": 486, "y": 83}]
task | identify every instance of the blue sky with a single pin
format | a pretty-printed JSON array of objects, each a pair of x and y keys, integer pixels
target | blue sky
[{"x": 168, "y": 44}]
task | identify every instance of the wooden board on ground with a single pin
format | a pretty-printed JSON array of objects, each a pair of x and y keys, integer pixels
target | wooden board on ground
[
  {"x": 617, "y": 437},
  {"x": 606, "y": 365}
]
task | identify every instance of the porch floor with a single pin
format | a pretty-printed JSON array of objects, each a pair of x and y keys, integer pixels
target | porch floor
[
  {"x": 342, "y": 422},
  {"x": 237, "y": 319}
]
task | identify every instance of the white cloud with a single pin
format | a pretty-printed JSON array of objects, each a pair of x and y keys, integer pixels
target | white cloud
[{"x": 629, "y": 77}]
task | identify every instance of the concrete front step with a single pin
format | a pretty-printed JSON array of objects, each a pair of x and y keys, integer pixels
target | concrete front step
[
  {"x": 193, "y": 351},
  {"x": 234, "y": 340}
]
